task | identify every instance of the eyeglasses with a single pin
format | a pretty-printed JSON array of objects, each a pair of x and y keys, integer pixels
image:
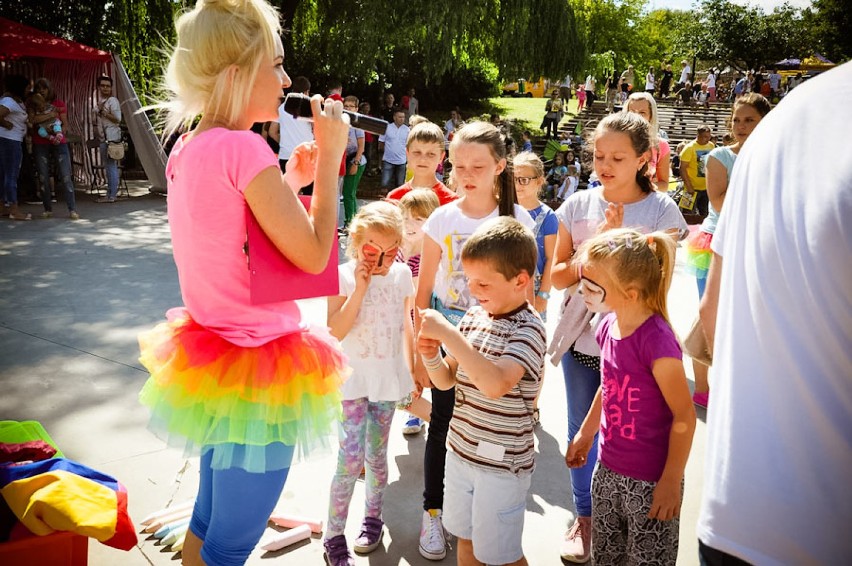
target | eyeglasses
[
  {"x": 524, "y": 181},
  {"x": 375, "y": 254}
]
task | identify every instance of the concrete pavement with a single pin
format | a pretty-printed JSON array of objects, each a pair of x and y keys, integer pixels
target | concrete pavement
[{"x": 74, "y": 295}]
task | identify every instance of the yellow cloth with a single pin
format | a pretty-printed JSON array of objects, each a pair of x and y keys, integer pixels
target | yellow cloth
[
  {"x": 696, "y": 156},
  {"x": 62, "y": 501}
]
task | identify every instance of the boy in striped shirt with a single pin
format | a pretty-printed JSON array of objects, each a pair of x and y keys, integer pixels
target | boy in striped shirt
[{"x": 495, "y": 360}]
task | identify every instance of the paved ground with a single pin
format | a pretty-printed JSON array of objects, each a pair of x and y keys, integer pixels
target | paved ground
[{"x": 74, "y": 295}]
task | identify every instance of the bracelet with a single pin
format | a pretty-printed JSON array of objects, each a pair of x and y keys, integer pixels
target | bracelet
[
  {"x": 434, "y": 363},
  {"x": 544, "y": 295}
]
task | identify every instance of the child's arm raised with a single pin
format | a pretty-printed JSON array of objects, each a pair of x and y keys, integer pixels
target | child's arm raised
[
  {"x": 304, "y": 237},
  {"x": 671, "y": 379},
  {"x": 342, "y": 310},
  {"x": 578, "y": 449},
  {"x": 493, "y": 378}
]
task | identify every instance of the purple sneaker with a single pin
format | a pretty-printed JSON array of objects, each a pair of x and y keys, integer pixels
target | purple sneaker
[
  {"x": 371, "y": 535},
  {"x": 337, "y": 552}
]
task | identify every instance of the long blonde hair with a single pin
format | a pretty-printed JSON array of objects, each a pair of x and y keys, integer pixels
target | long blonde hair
[
  {"x": 644, "y": 262},
  {"x": 220, "y": 47},
  {"x": 381, "y": 216}
]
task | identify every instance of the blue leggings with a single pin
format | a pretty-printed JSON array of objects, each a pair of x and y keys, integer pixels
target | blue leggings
[
  {"x": 581, "y": 385},
  {"x": 233, "y": 507}
]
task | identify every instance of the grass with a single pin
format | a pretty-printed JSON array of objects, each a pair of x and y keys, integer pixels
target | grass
[{"x": 526, "y": 113}]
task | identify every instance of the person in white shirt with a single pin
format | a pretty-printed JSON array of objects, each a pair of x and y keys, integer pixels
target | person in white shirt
[
  {"x": 685, "y": 71},
  {"x": 711, "y": 84},
  {"x": 290, "y": 132},
  {"x": 392, "y": 146},
  {"x": 108, "y": 124},
  {"x": 777, "y": 314},
  {"x": 589, "y": 87}
]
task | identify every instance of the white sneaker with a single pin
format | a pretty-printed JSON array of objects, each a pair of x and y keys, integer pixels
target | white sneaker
[
  {"x": 412, "y": 426},
  {"x": 433, "y": 544}
]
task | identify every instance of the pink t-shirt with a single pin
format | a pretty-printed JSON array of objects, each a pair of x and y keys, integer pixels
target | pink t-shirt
[
  {"x": 658, "y": 153},
  {"x": 206, "y": 179},
  {"x": 635, "y": 420}
]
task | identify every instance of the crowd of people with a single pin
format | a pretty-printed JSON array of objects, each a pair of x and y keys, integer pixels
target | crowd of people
[
  {"x": 446, "y": 289},
  {"x": 35, "y": 151}
]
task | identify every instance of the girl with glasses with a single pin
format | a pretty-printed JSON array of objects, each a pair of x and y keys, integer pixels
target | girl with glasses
[{"x": 372, "y": 318}]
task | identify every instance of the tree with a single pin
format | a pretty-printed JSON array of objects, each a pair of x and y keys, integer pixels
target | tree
[{"x": 827, "y": 20}]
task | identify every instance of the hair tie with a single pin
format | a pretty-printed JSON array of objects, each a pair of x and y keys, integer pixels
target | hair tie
[
  {"x": 629, "y": 242},
  {"x": 612, "y": 245}
]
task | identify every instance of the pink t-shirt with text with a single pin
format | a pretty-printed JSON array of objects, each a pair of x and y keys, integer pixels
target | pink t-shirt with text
[
  {"x": 207, "y": 176},
  {"x": 635, "y": 419}
]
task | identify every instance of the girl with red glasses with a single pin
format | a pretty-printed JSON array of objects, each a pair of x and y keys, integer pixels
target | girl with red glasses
[{"x": 371, "y": 317}]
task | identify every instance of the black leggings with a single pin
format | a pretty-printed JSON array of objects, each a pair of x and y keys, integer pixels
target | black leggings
[{"x": 435, "y": 455}]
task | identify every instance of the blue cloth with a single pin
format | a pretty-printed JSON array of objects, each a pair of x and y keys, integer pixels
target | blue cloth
[
  {"x": 581, "y": 386},
  {"x": 233, "y": 507},
  {"x": 549, "y": 227},
  {"x": 11, "y": 154},
  {"x": 41, "y": 154},
  {"x": 727, "y": 158}
]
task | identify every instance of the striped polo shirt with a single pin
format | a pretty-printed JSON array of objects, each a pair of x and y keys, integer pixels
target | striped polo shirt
[{"x": 506, "y": 422}]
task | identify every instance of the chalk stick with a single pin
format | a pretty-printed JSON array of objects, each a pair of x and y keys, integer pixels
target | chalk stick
[
  {"x": 166, "y": 519},
  {"x": 178, "y": 546},
  {"x": 175, "y": 534},
  {"x": 166, "y": 511},
  {"x": 288, "y": 537},
  {"x": 292, "y": 521},
  {"x": 166, "y": 529}
]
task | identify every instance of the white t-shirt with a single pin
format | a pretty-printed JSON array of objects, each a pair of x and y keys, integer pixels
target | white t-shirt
[
  {"x": 649, "y": 81},
  {"x": 292, "y": 133},
  {"x": 711, "y": 80},
  {"x": 779, "y": 452},
  {"x": 375, "y": 342},
  {"x": 774, "y": 81},
  {"x": 590, "y": 83},
  {"x": 107, "y": 129},
  {"x": 684, "y": 74},
  {"x": 17, "y": 116},
  {"x": 394, "y": 139},
  {"x": 450, "y": 228}
]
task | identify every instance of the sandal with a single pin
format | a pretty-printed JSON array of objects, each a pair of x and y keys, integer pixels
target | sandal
[
  {"x": 536, "y": 417},
  {"x": 16, "y": 214}
]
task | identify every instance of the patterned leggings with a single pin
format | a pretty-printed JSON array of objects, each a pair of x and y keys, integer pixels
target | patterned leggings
[
  {"x": 622, "y": 533},
  {"x": 364, "y": 434}
]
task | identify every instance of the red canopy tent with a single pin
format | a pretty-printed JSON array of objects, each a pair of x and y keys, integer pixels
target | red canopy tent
[{"x": 73, "y": 70}]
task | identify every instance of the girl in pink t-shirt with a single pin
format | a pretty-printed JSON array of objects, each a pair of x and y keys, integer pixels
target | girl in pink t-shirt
[
  {"x": 643, "y": 408},
  {"x": 240, "y": 383}
]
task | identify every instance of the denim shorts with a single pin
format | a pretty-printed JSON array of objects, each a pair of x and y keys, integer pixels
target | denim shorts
[{"x": 486, "y": 508}]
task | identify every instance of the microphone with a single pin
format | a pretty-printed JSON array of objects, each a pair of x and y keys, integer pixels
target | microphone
[{"x": 299, "y": 106}]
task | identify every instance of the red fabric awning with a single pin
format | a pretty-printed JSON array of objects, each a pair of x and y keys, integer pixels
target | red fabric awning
[{"x": 18, "y": 41}]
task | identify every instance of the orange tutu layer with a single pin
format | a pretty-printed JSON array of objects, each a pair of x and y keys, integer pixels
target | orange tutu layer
[{"x": 207, "y": 392}]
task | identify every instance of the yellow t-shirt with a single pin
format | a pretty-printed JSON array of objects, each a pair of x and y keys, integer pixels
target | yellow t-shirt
[{"x": 694, "y": 155}]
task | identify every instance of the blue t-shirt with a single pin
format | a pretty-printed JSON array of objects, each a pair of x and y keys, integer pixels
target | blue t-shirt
[
  {"x": 549, "y": 225},
  {"x": 727, "y": 158}
]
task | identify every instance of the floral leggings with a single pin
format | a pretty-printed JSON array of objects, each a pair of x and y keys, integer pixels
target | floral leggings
[{"x": 364, "y": 435}]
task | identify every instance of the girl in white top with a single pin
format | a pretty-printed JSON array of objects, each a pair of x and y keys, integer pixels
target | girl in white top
[
  {"x": 13, "y": 128},
  {"x": 371, "y": 317},
  {"x": 482, "y": 176}
]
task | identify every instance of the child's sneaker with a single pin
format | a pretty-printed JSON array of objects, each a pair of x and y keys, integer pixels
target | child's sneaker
[
  {"x": 413, "y": 425},
  {"x": 337, "y": 552},
  {"x": 371, "y": 535},
  {"x": 433, "y": 543},
  {"x": 577, "y": 546}
]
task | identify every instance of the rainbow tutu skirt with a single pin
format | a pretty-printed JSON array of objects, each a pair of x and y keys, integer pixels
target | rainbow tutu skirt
[
  {"x": 698, "y": 254},
  {"x": 207, "y": 393}
]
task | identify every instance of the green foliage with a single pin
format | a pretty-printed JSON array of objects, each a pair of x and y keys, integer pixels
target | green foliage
[
  {"x": 139, "y": 31},
  {"x": 829, "y": 23}
]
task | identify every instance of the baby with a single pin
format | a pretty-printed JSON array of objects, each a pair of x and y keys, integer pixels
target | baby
[{"x": 50, "y": 129}]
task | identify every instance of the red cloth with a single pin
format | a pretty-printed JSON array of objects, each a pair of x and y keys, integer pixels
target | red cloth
[
  {"x": 18, "y": 41},
  {"x": 31, "y": 451},
  {"x": 445, "y": 195}
]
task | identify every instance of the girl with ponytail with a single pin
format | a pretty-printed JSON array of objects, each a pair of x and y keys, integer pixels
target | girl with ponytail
[
  {"x": 621, "y": 149},
  {"x": 648, "y": 416}
]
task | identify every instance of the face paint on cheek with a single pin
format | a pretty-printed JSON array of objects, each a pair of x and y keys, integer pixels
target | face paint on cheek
[{"x": 593, "y": 295}]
